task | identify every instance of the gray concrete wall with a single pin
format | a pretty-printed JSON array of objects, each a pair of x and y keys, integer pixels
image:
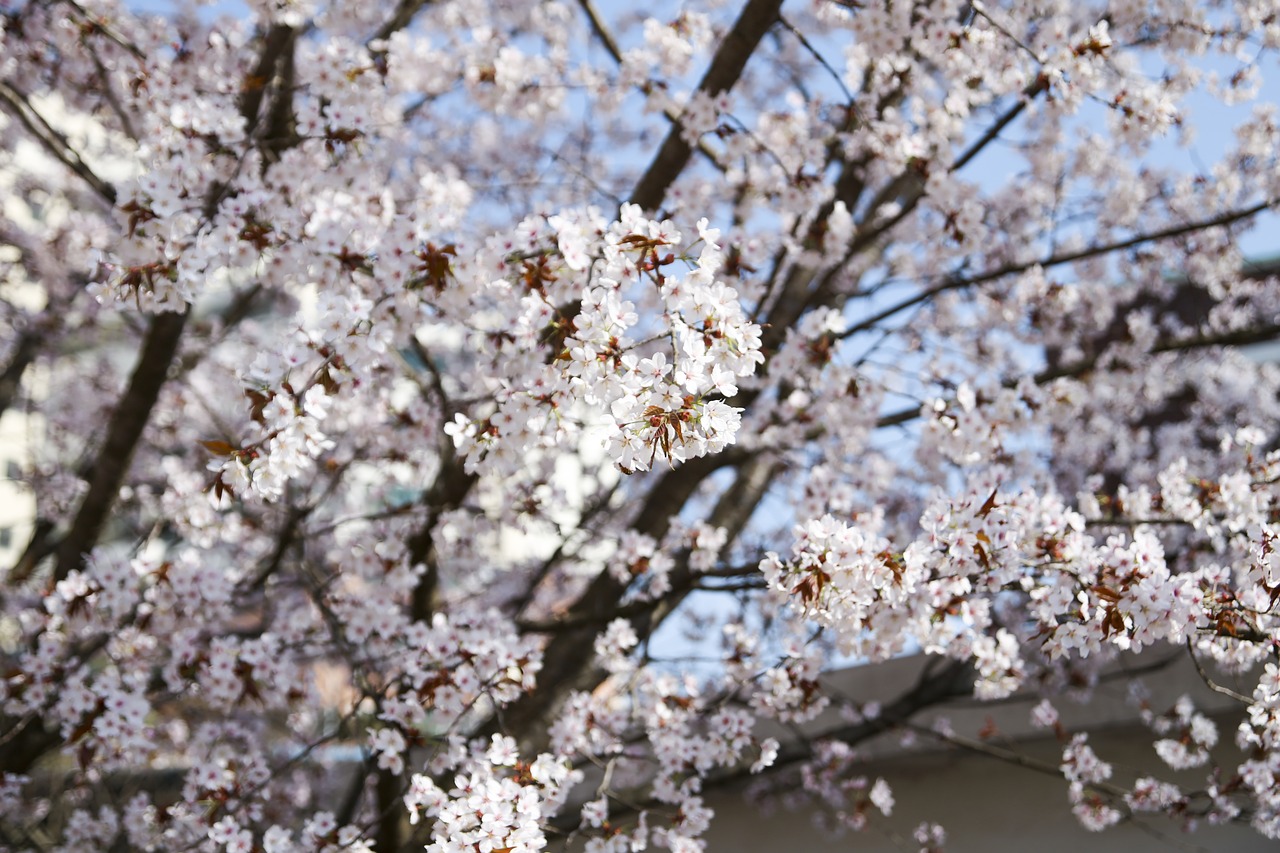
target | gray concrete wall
[{"x": 986, "y": 806}]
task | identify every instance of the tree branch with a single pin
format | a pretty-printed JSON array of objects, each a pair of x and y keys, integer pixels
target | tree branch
[
  {"x": 122, "y": 435},
  {"x": 1235, "y": 337},
  {"x": 566, "y": 665},
  {"x": 275, "y": 43},
  {"x": 447, "y": 492},
  {"x": 599, "y": 30},
  {"x": 726, "y": 67},
  {"x": 129, "y": 419},
  {"x": 400, "y": 18},
  {"x": 11, "y": 379},
  {"x": 955, "y": 681},
  {"x": 989, "y": 135},
  {"x": 109, "y": 92},
  {"x": 961, "y": 282},
  {"x": 159, "y": 348},
  {"x": 567, "y": 657},
  {"x": 54, "y": 142}
]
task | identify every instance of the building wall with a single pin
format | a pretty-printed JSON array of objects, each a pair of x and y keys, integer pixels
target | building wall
[
  {"x": 985, "y": 806},
  {"x": 989, "y": 805}
]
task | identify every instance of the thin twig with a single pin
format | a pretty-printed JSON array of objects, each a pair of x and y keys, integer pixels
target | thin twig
[
  {"x": 822, "y": 60},
  {"x": 99, "y": 24},
  {"x": 104, "y": 76},
  {"x": 981, "y": 9},
  {"x": 1210, "y": 683},
  {"x": 959, "y": 283}
]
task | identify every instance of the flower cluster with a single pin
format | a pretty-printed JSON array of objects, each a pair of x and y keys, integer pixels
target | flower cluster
[{"x": 496, "y": 803}]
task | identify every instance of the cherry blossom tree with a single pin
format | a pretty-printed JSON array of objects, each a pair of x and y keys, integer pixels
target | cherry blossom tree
[{"x": 411, "y": 390}]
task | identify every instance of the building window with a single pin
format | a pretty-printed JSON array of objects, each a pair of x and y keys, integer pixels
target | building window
[
  {"x": 6, "y": 537},
  {"x": 12, "y": 470}
]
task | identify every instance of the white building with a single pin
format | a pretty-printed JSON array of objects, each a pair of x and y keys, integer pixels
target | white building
[{"x": 17, "y": 504}]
